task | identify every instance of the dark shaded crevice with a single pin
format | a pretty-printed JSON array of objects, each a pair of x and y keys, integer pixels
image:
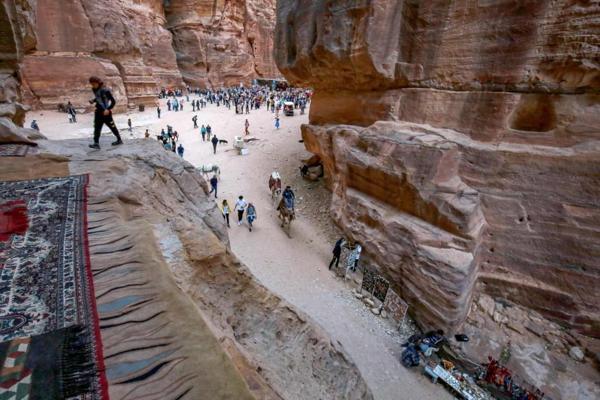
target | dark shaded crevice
[
  {"x": 95, "y": 273},
  {"x": 155, "y": 346},
  {"x": 110, "y": 242},
  {"x": 181, "y": 396},
  {"x": 122, "y": 287},
  {"x": 132, "y": 308},
  {"x": 114, "y": 250},
  {"x": 132, "y": 321},
  {"x": 146, "y": 375}
]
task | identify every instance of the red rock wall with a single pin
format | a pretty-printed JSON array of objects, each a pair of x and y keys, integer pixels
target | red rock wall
[
  {"x": 223, "y": 42},
  {"x": 131, "y": 44},
  {"x": 125, "y": 43},
  {"x": 487, "y": 175}
]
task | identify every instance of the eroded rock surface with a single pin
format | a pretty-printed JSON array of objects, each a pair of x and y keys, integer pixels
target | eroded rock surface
[
  {"x": 467, "y": 74},
  {"x": 462, "y": 146},
  {"x": 179, "y": 314},
  {"x": 132, "y": 45},
  {"x": 223, "y": 42}
]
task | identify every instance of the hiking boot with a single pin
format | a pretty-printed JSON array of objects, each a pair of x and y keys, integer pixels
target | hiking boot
[
  {"x": 118, "y": 142},
  {"x": 95, "y": 146}
]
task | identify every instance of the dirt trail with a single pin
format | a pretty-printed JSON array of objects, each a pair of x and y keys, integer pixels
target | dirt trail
[{"x": 294, "y": 268}]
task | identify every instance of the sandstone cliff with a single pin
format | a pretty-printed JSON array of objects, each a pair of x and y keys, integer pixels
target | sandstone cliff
[
  {"x": 126, "y": 43},
  {"x": 220, "y": 42},
  {"x": 132, "y": 45},
  {"x": 180, "y": 316},
  {"x": 486, "y": 177}
]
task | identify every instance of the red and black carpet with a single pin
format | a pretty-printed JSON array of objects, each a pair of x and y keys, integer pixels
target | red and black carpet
[{"x": 50, "y": 345}]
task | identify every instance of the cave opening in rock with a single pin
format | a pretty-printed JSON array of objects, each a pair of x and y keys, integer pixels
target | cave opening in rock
[{"x": 535, "y": 113}]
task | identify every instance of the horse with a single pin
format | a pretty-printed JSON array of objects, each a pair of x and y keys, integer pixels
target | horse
[
  {"x": 275, "y": 185},
  {"x": 210, "y": 168},
  {"x": 286, "y": 215}
]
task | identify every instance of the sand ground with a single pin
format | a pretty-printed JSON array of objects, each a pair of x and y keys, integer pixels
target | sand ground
[{"x": 296, "y": 267}]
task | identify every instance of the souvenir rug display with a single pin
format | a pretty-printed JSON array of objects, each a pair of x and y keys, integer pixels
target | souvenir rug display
[
  {"x": 50, "y": 346},
  {"x": 16, "y": 150}
]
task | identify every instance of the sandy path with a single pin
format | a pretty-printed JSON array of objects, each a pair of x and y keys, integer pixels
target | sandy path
[{"x": 294, "y": 268}]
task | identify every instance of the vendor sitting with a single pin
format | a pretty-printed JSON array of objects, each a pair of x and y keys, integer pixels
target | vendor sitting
[{"x": 431, "y": 341}]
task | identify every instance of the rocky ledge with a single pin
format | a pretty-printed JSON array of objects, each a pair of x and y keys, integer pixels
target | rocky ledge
[{"x": 208, "y": 327}]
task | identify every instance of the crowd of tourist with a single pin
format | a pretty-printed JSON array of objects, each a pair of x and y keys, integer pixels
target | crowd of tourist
[{"x": 240, "y": 100}]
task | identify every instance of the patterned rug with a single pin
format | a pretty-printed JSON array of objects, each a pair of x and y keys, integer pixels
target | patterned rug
[
  {"x": 16, "y": 150},
  {"x": 50, "y": 345}
]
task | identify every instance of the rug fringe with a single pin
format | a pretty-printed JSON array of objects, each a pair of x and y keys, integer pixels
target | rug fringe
[{"x": 77, "y": 363}]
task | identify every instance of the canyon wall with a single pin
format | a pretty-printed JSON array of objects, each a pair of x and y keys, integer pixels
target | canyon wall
[
  {"x": 461, "y": 141},
  {"x": 133, "y": 46},
  {"x": 179, "y": 315},
  {"x": 223, "y": 42},
  {"x": 12, "y": 111}
]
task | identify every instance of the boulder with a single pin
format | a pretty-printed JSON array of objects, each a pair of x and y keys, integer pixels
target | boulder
[
  {"x": 576, "y": 354},
  {"x": 11, "y": 133},
  {"x": 487, "y": 304}
]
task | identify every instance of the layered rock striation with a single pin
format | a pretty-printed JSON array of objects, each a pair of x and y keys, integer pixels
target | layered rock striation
[
  {"x": 462, "y": 146},
  {"x": 220, "y": 42},
  {"x": 133, "y": 46},
  {"x": 179, "y": 315},
  {"x": 125, "y": 43}
]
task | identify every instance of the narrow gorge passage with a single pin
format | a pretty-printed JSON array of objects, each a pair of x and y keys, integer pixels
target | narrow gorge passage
[{"x": 295, "y": 268}]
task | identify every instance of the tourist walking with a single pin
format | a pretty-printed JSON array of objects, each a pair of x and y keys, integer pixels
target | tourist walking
[
  {"x": 158, "y": 112},
  {"x": 203, "y": 133},
  {"x": 208, "y": 132},
  {"x": 277, "y": 122},
  {"x": 129, "y": 123},
  {"x": 195, "y": 120},
  {"x": 352, "y": 261},
  {"x": 180, "y": 150},
  {"x": 34, "y": 125},
  {"x": 105, "y": 102},
  {"x": 213, "y": 185},
  {"x": 247, "y": 127},
  {"x": 240, "y": 207},
  {"x": 215, "y": 141},
  {"x": 337, "y": 252},
  {"x": 251, "y": 215},
  {"x": 147, "y": 134},
  {"x": 71, "y": 111},
  {"x": 225, "y": 210}
]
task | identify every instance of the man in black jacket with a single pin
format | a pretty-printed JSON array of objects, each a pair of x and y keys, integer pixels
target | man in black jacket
[
  {"x": 104, "y": 104},
  {"x": 337, "y": 252}
]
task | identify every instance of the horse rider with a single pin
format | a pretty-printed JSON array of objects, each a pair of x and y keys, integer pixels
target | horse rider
[{"x": 289, "y": 198}]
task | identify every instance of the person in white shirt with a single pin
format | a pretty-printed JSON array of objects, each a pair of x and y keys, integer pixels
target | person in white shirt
[
  {"x": 352, "y": 260},
  {"x": 240, "y": 207},
  {"x": 357, "y": 251},
  {"x": 225, "y": 211}
]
